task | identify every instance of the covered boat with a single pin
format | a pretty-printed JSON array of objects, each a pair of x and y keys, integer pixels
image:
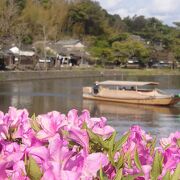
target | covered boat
[{"x": 129, "y": 92}]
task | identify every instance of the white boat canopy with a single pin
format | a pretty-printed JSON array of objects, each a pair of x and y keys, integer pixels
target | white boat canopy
[{"x": 126, "y": 83}]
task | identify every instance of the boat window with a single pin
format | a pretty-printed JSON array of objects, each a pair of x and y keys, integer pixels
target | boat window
[
  {"x": 147, "y": 88},
  {"x": 112, "y": 87},
  {"x": 130, "y": 88}
]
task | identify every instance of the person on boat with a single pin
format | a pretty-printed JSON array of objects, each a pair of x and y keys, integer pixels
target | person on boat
[{"x": 96, "y": 87}]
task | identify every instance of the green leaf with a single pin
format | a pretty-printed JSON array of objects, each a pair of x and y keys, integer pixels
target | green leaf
[
  {"x": 110, "y": 143},
  {"x": 153, "y": 146},
  {"x": 34, "y": 123},
  {"x": 33, "y": 170},
  {"x": 111, "y": 158},
  {"x": 178, "y": 142},
  {"x": 167, "y": 146},
  {"x": 118, "y": 175},
  {"x": 157, "y": 166},
  {"x": 120, "y": 162},
  {"x": 167, "y": 176},
  {"x": 97, "y": 139},
  {"x": 176, "y": 174},
  {"x": 111, "y": 140},
  {"x": 128, "y": 178},
  {"x": 84, "y": 125},
  {"x": 119, "y": 143},
  {"x": 132, "y": 177},
  {"x": 101, "y": 174},
  {"x": 128, "y": 157},
  {"x": 136, "y": 159}
]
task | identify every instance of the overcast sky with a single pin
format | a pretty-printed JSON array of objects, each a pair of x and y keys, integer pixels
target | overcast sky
[{"x": 167, "y": 11}]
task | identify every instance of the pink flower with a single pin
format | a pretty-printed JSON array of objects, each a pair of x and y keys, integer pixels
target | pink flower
[
  {"x": 171, "y": 152},
  {"x": 146, "y": 169},
  {"x": 99, "y": 126},
  {"x": 110, "y": 171},
  {"x": 3, "y": 174},
  {"x": 73, "y": 119},
  {"x": 50, "y": 124},
  {"x": 15, "y": 117},
  {"x": 19, "y": 171},
  {"x": 63, "y": 150},
  {"x": 93, "y": 163},
  {"x": 81, "y": 137},
  {"x": 57, "y": 166},
  {"x": 14, "y": 124}
]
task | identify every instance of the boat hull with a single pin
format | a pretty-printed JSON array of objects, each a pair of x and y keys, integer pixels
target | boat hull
[{"x": 165, "y": 101}]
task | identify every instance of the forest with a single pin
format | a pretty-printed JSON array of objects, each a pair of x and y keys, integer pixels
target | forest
[{"x": 108, "y": 38}]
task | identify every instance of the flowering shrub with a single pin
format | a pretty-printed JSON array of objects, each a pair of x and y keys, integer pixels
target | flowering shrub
[{"x": 55, "y": 146}]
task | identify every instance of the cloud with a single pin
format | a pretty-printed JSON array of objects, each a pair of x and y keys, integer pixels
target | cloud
[
  {"x": 110, "y": 5},
  {"x": 166, "y": 6},
  {"x": 165, "y": 10}
]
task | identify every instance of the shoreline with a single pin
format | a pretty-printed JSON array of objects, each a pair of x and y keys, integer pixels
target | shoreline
[{"x": 81, "y": 72}]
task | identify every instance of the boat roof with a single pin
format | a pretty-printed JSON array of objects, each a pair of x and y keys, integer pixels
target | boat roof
[{"x": 126, "y": 83}]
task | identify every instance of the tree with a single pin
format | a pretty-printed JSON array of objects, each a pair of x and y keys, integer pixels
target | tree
[
  {"x": 20, "y": 30},
  {"x": 20, "y": 4},
  {"x": 119, "y": 37},
  {"x": 88, "y": 17},
  {"x": 177, "y": 24},
  {"x": 8, "y": 15},
  {"x": 51, "y": 17},
  {"x": 131, "y": 48},
  {"x": 58, "y": 13}
]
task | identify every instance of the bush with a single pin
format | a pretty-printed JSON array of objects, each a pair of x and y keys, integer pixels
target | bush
[{"x": 56, "y": 146}]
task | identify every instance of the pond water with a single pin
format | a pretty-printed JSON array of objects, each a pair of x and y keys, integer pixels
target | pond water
[{"x": 41, "y": 96}]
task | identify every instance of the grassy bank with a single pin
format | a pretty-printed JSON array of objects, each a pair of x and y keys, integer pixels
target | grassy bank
[
  {"x": 137, "y": 71},
  {"x": 151, "y": 71}
]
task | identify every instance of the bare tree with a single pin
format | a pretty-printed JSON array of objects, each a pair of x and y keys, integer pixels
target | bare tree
[
  {"x": 19, "y": 31},
  {"x": 8, "y": 14}
]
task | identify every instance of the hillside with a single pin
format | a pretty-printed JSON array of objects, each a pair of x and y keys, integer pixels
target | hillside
[{"x": 107, "y": 37}]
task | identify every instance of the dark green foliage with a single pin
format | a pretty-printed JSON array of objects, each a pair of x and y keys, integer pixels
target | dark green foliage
[
  {"x": 119, "y": 37},
  {"x": 21, "y": 4},
  {"x": 108, "y": 37},
  {"x": 27, "y": 39},
  {"x": 89, "y": 16}
]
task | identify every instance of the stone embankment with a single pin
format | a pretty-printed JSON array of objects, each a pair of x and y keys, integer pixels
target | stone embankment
[
  {"x": 36, "y": 75},
  {"x": 77, "y": 73}
]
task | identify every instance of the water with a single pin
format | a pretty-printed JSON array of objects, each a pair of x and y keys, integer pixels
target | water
[{"x": 41, "y": 96}]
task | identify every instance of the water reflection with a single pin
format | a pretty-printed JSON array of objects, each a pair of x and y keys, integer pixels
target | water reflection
[
  {"x": 41, "y": 96},
  {"x": 99, "y": 108},
  {"x": 157, "y": 120}
]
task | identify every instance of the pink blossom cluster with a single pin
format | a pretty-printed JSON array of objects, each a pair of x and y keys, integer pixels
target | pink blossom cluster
[{"x": 55, "y": 146}]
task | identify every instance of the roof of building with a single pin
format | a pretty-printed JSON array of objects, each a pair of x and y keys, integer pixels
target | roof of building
[{"x": 16, "y": 50}]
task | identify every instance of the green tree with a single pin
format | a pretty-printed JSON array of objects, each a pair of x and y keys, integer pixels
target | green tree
[
  {"x": 131, "y": 48},
  {"x": 87, "y": 18}
]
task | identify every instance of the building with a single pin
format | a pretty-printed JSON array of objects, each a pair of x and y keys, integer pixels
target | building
[
  {"x": 71, "y": 45},
  {"x": 22, "y": 58}
]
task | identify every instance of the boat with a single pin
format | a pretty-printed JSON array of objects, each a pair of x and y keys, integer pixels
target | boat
[{"x": 133, "y": 92}]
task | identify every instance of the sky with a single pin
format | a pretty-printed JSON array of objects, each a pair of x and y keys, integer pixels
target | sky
[{"x": 168, "y": 11}]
